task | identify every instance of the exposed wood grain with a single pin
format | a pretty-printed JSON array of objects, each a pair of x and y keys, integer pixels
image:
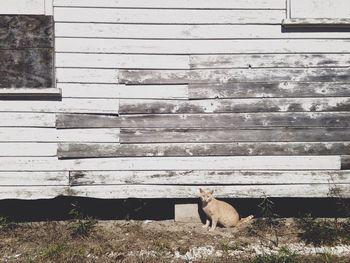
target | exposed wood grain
[
  {"x": 33, "y": 178},
  {"x": 325, "y": 162},
  {"x": 316, "y": 22},
  {"x": 107, "y": 106},
  {"x": 34, "y": 7},
  {"x": 52, "y": 135},
  {"x": 234, "y": 135},
  {"x": 30, "y": 93},
  {"x": 121, "y": 61},
  {"x": 269, "y": 89},
  {"x": 129, "y": 106},
  {"x": 222, "y": 120},
  {"x": 179, "y": 4},
  {"x": 207, "y": 177},
  {"x": 168, "y": 16},
  {"x": 29, "y": 68},
  {"x": 232, "y": 75},
  {"x": 17, "y": 32},
  {"x": 149, "y": 46},
  {"x": 26, "y": 119},
  {"x": 99, "y": 150},
  {"x": 79, "y": 90},
  {"x": 176, "y": 31},
  {"x": 27, "y": 149},
  {"x": 234, "y": 191},
  {"x": 270, "y": 61}
]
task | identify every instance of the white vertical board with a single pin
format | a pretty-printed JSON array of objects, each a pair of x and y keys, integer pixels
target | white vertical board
[
  {"x": 22, "y": 7},
  {"x": 49, "y": 7},
  {"x": 320, "y": 9}
]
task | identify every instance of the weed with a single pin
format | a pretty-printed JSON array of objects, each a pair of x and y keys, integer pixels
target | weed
[
  {"x": 81, "y": 225},
  {"x": 6, "y": 223},
  {"x": 324, "y": 232},
  {"x": 269, "y": 222}
]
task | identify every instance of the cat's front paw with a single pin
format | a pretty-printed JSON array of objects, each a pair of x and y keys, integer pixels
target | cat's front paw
[
  {"x": 212, "y": 229},
  {"x": 205, "y": 226}
]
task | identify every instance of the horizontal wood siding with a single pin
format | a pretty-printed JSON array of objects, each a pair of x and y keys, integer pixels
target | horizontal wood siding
[{"x": 161, "y": 97}]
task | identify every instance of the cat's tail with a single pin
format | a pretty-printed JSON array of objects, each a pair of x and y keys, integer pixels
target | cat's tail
[{"x": 245, "y": 220}]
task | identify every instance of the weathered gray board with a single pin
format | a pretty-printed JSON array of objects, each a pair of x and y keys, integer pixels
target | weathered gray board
[
  {"x": 31, "y": 68},
  {"x": 222, "y": 120},
  {"x": 200, "y": 135},
  {"x": 268, "y": 89},
  {"x": 26, "y": 31},
  {"x": 197, "y": 149},
  {"x": 232, "y": 75},
  {"x": 26, "y": 51}
]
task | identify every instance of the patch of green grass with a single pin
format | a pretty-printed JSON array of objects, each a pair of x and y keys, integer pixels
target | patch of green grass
[
  {"x": 226, "y": 246},
  {"x": 324, "y": 232},
  {"x": 53, "y": 250},
  {"x": 284, "y": 255}
]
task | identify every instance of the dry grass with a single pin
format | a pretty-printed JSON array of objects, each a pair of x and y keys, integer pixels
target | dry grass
[{"x": 116, "y": 241}]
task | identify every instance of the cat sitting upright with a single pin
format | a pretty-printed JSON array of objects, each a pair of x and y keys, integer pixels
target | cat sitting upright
[{"x": 219, "y": 211}]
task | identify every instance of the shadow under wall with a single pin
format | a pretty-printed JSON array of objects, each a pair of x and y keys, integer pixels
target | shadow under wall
[{"x": 157, "y": 209}]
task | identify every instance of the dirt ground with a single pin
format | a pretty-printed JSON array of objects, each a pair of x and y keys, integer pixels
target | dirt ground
[{"x": 86, "y": 240}]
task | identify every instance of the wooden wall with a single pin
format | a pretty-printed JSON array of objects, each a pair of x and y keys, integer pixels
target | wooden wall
[{"x": 161, "y": 97}]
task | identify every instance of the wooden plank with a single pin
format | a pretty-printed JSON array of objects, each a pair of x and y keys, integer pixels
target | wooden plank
[
  {"x": 68, "y": 105},
  {"x": 270, "y": 61},
  {"x": 345, "y": 162},
  {"x": 176, "y": 31},
  {"x": 80, "y": 90},
  {"x": 27, "y": 149},
  {"x": 149, "y": 191},
  {"x": 32, "y": 192},
  {"x": 53, "y": 135},
  {"x": 317, "y": 9},
  {"x": 25, "y": 119},
  {"x": 325, "y": 162},
  {"x": 93, "y": 150},
  {"x": 87, "y": 75},
  {"x": 33, "y": 7},
  {"x": 49, "y": 7},
  {"x": 130, "y": 106},
  {"x": 234, "y": 135},
  {"x": 179, "y": 4},
  {"x": 30, "y": 68},
  {"x": 168, "y": 16},
  {"x": 232, "y": 75},
  {"x": 18, "y": 32},
  {"x": 121, "y": 61},
  {"x": 34, "y": 178},
  {"x": 222, "y": 120},
  {"x": 316, "y": 22},
  {"x": 269, "y": 89},
  {"x": 194, "y": 177},
  {"x": 30, "y": 93},
  {"x": 232, "y": 191},
  {"x": 222, "y": 46}
]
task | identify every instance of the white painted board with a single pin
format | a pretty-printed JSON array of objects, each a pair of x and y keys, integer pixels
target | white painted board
[{"x": 173, "y": 163}]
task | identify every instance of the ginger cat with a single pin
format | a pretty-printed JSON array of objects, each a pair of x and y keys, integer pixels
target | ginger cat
[{"x": 219, "y": 212}]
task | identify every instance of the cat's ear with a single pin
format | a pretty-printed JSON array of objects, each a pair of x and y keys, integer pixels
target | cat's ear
[
  {"x": 201, "y": 190},
  {"x": 211, "y": 192}
]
